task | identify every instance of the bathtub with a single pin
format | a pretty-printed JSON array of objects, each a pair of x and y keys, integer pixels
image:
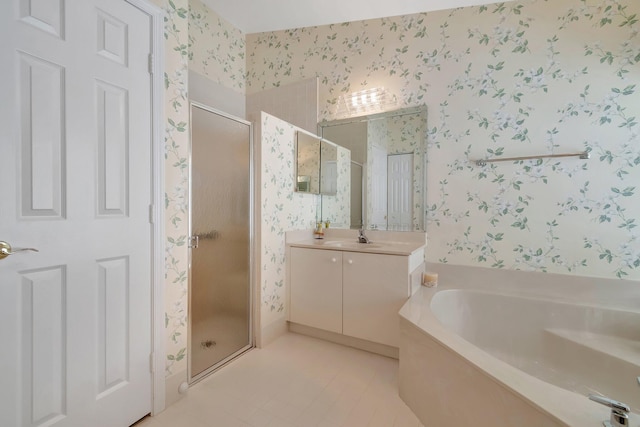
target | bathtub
[{"x": 506, "y": 348}]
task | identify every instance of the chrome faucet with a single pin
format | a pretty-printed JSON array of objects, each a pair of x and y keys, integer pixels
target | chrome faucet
[
  {"x": 619, "y": 411},
  {"x": 361, "y": 237}
]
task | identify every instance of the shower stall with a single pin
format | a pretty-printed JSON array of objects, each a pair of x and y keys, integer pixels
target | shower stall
[{"x": 220, "y": 309}]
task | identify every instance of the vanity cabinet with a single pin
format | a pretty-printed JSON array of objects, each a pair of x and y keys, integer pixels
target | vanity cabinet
[
  {"x": 352, "y": 293},
  {"x": 316, "y": 288},
  {"x": 374, "y": 288}
]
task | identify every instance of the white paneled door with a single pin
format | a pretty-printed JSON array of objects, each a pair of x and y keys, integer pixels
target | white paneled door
[
  {"x": 75, "y": 165},
  {"x": 378, "y": 173},
  {"x": 400, "y": 192}
]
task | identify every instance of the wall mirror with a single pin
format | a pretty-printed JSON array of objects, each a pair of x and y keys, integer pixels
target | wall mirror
[
  {"x": 307, "y": 170},
  {"x": 388, "y": 165}
]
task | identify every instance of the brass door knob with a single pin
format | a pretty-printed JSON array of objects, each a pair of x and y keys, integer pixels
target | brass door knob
[{"x": 6, "y": 250}]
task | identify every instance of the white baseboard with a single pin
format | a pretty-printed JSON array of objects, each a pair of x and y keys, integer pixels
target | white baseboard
[
  {"x": 271, "y": 332},
  {"x": 172, "y": 384},
  {"x": 372, "y": 347}
]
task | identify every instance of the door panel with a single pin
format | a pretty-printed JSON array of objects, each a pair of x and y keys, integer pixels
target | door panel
[
  {"x": 46, "y": 15},
  {"x": 113, "y": 150},
  {"x": 112, "y": 38},
  {"x": 76, "y": 150},
  {"x": 44, "y": 373},
  {"x": 41, "y": 95},
  {"x": 220, "y": 216},
  {"x": 113, "y": 323}
]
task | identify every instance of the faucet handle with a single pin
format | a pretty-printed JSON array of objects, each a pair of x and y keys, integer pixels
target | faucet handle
[
  {"x": 613, "y": 404},
  {"x": 361, "y": 237},
  {"x": 619, "y": 411}
]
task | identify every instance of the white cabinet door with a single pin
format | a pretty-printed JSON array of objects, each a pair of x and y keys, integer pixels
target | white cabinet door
[
  {"x": 316, "y": 288},
  {"x": 375, "y": 287}
]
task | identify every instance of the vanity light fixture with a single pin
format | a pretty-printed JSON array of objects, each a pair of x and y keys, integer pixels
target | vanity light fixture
[{"x": 372, "y": 100}]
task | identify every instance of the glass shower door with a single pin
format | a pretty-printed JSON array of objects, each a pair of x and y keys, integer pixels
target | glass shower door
[{"x": 220, "y": 242}]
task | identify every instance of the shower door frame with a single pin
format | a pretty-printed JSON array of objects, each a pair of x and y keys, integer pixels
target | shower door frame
[{"x": 252, "y": 339}]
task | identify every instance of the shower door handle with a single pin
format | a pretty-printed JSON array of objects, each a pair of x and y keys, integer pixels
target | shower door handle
[
  {"x": 194, "y": 240},
  {"x": 210, "y": 235}
]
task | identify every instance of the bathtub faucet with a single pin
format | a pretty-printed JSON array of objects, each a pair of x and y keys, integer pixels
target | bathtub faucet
[
  {"x": 361, "y": 237},
  {"x": 619, "y": 411}
]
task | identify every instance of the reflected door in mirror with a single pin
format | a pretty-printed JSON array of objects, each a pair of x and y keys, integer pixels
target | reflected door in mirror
[
  {"x": 378, "y": 181},
  {"x": 399, "y": 192}
]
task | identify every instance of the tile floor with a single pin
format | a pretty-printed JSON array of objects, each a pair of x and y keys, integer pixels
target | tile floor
[{"x": 296, "y": 381}]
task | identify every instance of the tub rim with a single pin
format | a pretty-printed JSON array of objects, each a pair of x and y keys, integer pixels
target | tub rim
[
  {"x": 530, "y": 295},
  {"x": 565, "y": 406}
]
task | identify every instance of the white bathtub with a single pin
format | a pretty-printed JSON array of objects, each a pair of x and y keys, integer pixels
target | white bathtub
[{"x": 503, "y": 348}]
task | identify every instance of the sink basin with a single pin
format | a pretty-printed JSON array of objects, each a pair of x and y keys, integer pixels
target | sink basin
[{"x": 351, "y": 245}]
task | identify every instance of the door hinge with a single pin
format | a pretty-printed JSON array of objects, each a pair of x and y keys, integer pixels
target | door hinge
[
  {"x": 152, "y": 363},
  {"x": 151, "y": 68},
  {"x": 152, "y": 213}
]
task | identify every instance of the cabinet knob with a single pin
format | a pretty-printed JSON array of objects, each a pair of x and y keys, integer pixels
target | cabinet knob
[
  {"x": 350, "y": 261},
  {"x": 333, "y": 260}
]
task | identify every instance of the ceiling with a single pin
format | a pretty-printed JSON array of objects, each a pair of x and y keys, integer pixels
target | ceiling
[{"x": 256, "y": 16}]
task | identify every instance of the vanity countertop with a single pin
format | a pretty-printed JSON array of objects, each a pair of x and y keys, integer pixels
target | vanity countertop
[{"x": 351, "y": 245}]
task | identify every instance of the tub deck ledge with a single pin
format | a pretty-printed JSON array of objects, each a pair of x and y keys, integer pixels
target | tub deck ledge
[{"x": 442, "y": 372}]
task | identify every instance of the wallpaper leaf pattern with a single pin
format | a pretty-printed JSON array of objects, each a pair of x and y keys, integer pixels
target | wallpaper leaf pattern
[
  {"x": 176, "y": 143},
  {"x": 192, "y": 33},
  {"x": 507, "y": 79},
  {"x": 196, "y": 38},
  {"x": 282, "y": 210},
  {"x": 216, "y": 48},
  {"x": 176, "y": 183}
]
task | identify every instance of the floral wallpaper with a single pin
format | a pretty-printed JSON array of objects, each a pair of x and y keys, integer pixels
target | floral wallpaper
[
  {"x": 195, "y": 38},
  {"x": 337, "y": 208},
  {"x": 508, "y": 79},
  {"x": 216, "y": 48},
  {"x": 282, "y": 210},
  {"x": 176, "y": 182}
]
